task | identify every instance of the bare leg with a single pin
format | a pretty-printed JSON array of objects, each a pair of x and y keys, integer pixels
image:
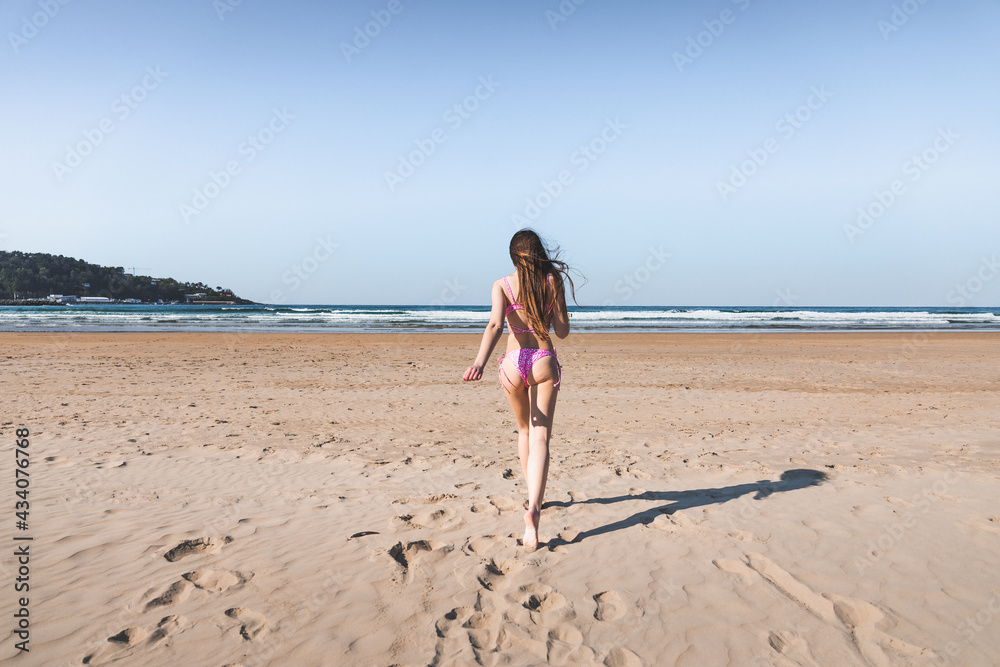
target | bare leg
[
  {"x": 522, "y": 445},
  {"x": 543, "y": 404},
  {"x": 518, "y": 399}
]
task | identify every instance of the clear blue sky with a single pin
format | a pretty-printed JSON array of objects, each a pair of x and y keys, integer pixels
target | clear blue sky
[{"x": 667, "y": 121}]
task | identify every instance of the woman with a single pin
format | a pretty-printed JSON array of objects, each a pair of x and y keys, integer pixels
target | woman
[{"x": 532, "y": 299}]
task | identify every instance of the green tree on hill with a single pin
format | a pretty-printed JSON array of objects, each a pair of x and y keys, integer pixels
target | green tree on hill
[{"x": 36, "y": 275}]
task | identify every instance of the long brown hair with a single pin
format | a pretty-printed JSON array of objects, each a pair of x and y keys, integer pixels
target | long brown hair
[{"x": 534, "y": 262}]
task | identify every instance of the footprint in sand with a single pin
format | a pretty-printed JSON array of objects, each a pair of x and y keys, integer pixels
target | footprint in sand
[
  {"x": 201, "y": 545},
  {"x": 542, "y": 598},
  {"x": 426, "y": 500},
  {"x": 663, "y": 522},
  {"x": 177, "y": 592},
  {"x": 564, "y": 647},
  {"x": 793, "y": 647},
  {"x": 497, "y": 573},
  {"x": 503, "y": 504},
  {"x": 434, "y": 519},
  {"x": 622, "y": 657},
  {"x": 539, "y": 604},
  {"x": 167, "y": 626},
  {"x": 475, "y": 625},
  {"x": 455, "y": 618},
  {"x": 569, "y": 534},
  {"x": 407, "y": 554},
  {"x": 566, "y": 536},
  {"x": 676, "y": 521},
  {"x": 483, "y": 629},
  {"x": 478, "y": 546},
  {"x": 136, "y": 638},
  {"x": 743, "y": 536},
  {"x": 217, "y": 581},
  {"x": 130, "y": 636},
  {"x": 610, "y": 606},
  {"x": 859, "y": 617},
  {"x": 253, "y": 623}
]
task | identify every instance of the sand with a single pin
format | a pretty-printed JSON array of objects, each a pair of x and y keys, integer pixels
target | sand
[{"x": 273, "y": 499}]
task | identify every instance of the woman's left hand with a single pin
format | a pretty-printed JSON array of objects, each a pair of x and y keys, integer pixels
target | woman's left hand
[{"x": 473, "y": 373}]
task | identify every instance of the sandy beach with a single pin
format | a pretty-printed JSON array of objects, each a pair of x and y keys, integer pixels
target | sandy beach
[{"x": 338, "y": 499}]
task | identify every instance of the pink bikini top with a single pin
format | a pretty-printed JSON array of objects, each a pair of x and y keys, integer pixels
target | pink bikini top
[{"x": 520, "y": 306}]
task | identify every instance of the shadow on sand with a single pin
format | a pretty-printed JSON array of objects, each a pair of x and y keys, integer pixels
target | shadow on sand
[{"x": 790, "y": 480}]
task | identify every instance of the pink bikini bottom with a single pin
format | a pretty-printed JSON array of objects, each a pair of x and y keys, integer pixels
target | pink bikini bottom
[{"x": 524, "y": 358}]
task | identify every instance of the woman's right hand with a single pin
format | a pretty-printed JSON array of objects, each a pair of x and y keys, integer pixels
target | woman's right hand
[{"x": 474, "y": 372}]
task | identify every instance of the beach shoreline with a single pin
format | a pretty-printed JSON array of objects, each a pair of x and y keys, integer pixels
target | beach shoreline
[
  {"x": 775, "y": 499},
  {"x": 472, "y": 319}
]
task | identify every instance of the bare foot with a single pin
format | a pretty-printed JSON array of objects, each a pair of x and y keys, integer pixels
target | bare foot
[{"x": 531, "y": 518}]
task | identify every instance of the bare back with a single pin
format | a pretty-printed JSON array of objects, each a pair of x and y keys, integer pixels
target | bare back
[{"x": 521, "y": 335}]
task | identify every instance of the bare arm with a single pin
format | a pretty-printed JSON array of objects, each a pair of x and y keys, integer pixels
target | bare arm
[
  {"x": 491, "y": 336},
  {"x": 560, "y": 316}
]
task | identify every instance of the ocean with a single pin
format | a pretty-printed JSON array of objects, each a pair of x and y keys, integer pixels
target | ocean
[{"x": 393, "y": 319}]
